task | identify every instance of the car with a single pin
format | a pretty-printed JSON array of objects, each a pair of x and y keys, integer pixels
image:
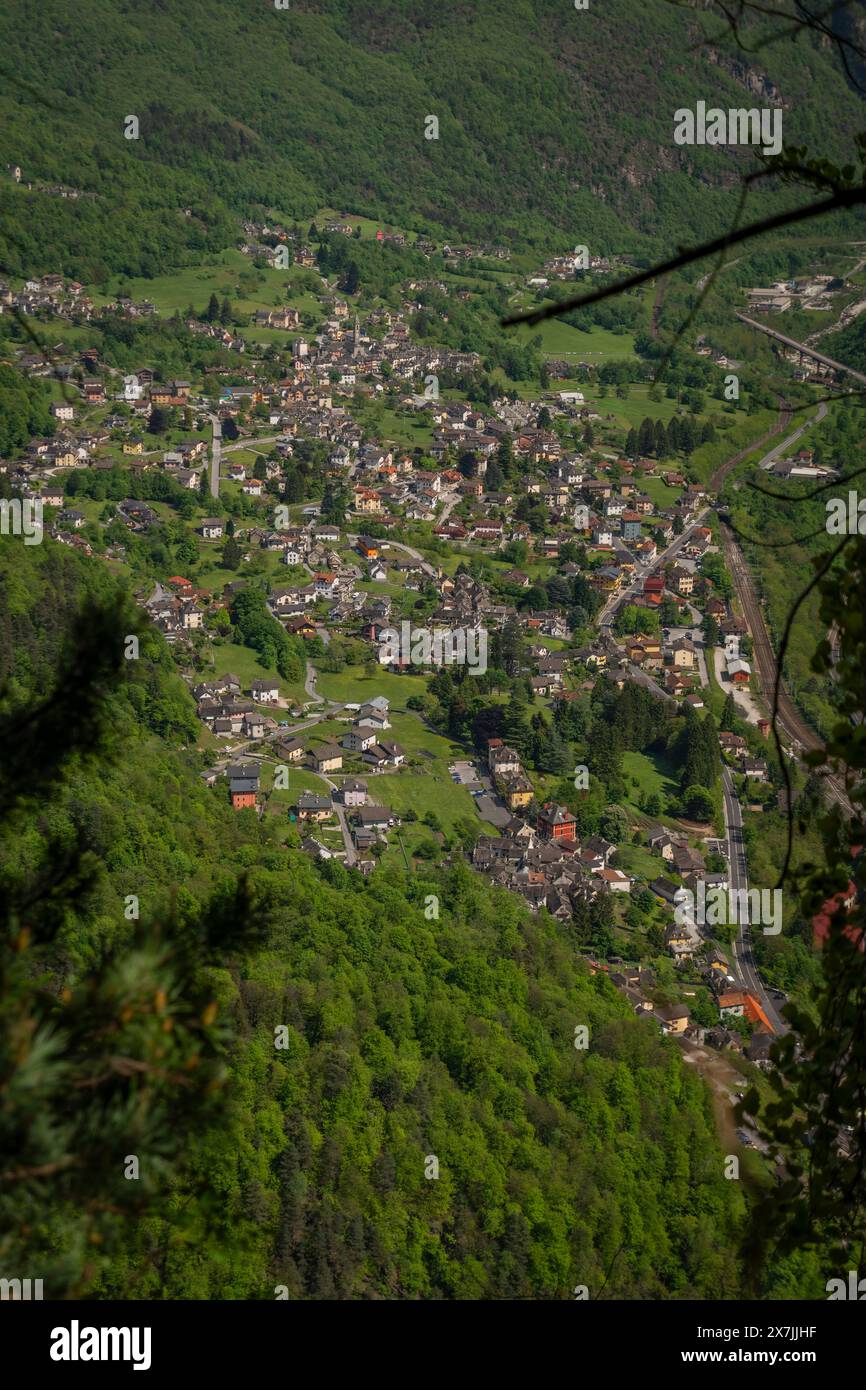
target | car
[{"x": 284, "y": 723}]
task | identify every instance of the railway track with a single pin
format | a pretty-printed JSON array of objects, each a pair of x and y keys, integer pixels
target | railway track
[
  {"x": 789, "y": 718},
  {"x": 783, "y": 420}
]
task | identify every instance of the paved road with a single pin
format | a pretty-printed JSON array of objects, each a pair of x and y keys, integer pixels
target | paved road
[
  {"x": 451, "y": 500},
  {"x": 769, "y": 459},
  {"x": 744, "y": 965},
  {"x": 216, "y": 446},
  {"x": 610, "y": 609},
  {"x": 783, "y": 420}
]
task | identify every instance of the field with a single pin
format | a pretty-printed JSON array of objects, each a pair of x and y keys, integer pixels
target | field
[
  {"x": 243, "y": 663},
  {"x": 652, "y": 774},
  {"x": 353, "y": 686},
  {"x": 247, "y": 287}
]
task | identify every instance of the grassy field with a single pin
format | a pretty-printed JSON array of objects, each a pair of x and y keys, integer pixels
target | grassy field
[
  {"x": 658, "y": 490},
  {"x": 243, "y": 663},
  {"x": 639, "y": 862},
  {"x": 559, "y": 339},
  {"x": 422, "y": 792},
  {"x": 259, "y": 289},
  {"x": 652, "y": 773},
  {"x": 352, "y": 686}
]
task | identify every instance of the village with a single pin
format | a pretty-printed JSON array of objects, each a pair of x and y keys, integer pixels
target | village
[{"x": 519, "y": 485}]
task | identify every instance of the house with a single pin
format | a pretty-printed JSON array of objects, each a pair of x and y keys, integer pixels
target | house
[
  {"x": 686, "y": 860},
  {"x": 756, "y": 769},
  {"x": 254, "y": 724},
  {"x": 614, "y": 880},
  {"x": 373, "y": 716},
  {"x": 630, "y": 522},
  {"x": 663, "y": 842},
  {"x": 315, "y": 849},
  {"x": 300, "y": 627},
  {"x": 683, "y": 652},
  {"x": 327, "y": 758},
  {"x": 359, "y": 738},
  {"x": 292, "y": 751},
  {"x": 674, "y": 1018},
  {"x": 503, "y": 761},
  {"x": 516, "y": 790},
  {"x": 555, "y": 822},
  {"x": 679, "y": 940},
  {"x": 354, "y": 793},
  {"x": 682, "y": 581},
  {"x": 665, "y": 889},
  {"x": 243, "y": 781},
  {"x": 383, "y": 755},
  {"x": 375, "y": 818},
  {"x": 265, "y": 692},
  {"x": 312, "y": 807},
  {"x": 212, "y": 529}
]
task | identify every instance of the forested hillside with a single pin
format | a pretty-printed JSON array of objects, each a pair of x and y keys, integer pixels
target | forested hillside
[
  {"x": 555, "y": 125},
  {"x": 407, "y": 1037}
]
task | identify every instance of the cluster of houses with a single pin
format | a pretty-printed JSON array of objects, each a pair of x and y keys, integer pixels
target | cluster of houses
[{"x": 227, "y": 713}]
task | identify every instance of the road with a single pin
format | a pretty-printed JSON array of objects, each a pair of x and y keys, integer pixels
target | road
[
  {"x": 407, "y": 550},
  {"x": 310, "y": 685},
  {"x": 451, "y": 500},
  {"x": 216, "y": 446},
  {"x": 609, "y": 611},
  {"x": 769, "y": 459},
  {"x": 783, "y": 420},
  {"x": 744, "y": 965}
]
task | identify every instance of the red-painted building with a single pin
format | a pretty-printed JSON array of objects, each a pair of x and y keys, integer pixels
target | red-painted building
[{"x": 556, "y": 822}]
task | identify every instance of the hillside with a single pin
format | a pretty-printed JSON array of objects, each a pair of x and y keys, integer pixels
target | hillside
[
  {"x": 407, "y": 1037},
  {"x": 555, "y": 125}
]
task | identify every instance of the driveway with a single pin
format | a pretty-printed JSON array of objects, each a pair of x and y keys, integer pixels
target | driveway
[{"x": 743, "y": 698}]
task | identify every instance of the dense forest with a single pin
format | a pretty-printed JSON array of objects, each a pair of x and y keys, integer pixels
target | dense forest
[
  {"x": 242, "y": 105},
  {"x": 365, "y": 1034}
]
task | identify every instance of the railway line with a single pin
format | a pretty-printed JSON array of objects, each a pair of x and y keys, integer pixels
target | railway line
[
  {"x": 783, "y": 420},
  {"x": 790, "y": 720}
]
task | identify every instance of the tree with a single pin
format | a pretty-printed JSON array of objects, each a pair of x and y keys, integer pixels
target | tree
[
  {"x": 157, "y": 422},
  {"x": 646, "y": 436},
  {"x": 729, "y": 716},
  {"x": 212, "y": 311},
  {"x": 351, "y": 279},
  {"x": 232, "y": 554},
  {"x": 697, "y": 804},
  {"x": 95, "y": 1035}
]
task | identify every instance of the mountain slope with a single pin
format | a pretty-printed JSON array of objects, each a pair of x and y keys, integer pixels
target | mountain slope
[
  {"x": 406, "y": 1039},
  {"x": 555, "y": 125}
]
